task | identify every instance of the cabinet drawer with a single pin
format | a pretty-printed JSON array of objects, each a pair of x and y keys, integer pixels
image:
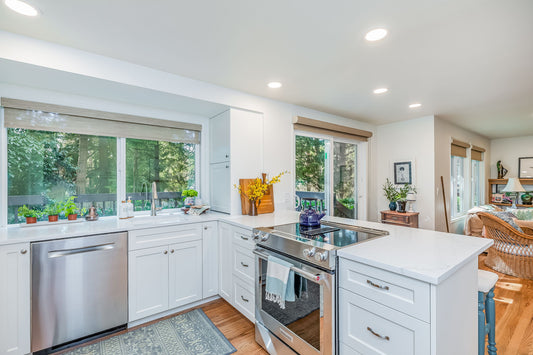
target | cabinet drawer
[
  {"x": 371, "y": 328},
  {"x": 243, "y": 298},
  {"x": 243, "y": 238},
  {"x": 398, "y": 292},
  {"x": 243, "y": 264},
  {"x": 346, "y": 350},
  {"x": 397, "y": 218},
  {"x": 160, "y": 236}
]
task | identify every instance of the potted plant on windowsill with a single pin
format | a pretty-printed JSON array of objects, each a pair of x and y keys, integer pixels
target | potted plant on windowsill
[
  {"x": 53, "y": 210},
  {"x": 189, "y": 196},
  {"x": 30, "y": 214},
  {"x": 71, "y": 210}
]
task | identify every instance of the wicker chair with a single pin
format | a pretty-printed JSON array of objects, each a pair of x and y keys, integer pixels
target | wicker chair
[{"x": 512, "y": 251}]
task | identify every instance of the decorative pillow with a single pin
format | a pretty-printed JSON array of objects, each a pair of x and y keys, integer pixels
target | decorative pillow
[
  {"x": 507, "y": 217},
  {"x": 523, "y": 214},
  {"x": 524, "y": 224}
]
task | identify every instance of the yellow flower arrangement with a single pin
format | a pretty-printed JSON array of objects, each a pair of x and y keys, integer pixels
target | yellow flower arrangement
[{"x": 256, "y": 190}]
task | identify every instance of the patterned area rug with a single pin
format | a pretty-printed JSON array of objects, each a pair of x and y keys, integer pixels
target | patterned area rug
[{"x": 189, "y": 333}]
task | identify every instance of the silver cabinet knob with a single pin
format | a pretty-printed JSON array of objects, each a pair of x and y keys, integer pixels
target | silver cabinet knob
[
  {"x": 23, "y": 251},
  {"x": 227, "y": 155},
  {"x": 165, "y": 252},
  {"x": 205, "y": 228},
  {"x": 172, "y": 251},
  {"x": 227, "y": 166}
]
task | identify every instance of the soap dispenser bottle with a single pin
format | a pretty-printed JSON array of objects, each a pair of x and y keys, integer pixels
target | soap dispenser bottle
[
  {"x": 130, "y": 208},
  {"x": 123, "y": 210}
]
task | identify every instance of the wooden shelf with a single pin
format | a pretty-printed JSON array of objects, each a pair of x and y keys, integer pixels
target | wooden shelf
[
  {"x": 493, "y": 183},
  {"x": 509, "y": 205}
]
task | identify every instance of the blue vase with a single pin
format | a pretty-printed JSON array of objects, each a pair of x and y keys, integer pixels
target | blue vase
[{"x": 392, "y": 206}]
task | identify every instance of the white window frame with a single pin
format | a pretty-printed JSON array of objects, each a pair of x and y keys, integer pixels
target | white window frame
[
  {"x": 361, "y": 170},
  {"x": 121, "y": 174},
  {"x": 481, "y": 182},
  {"x": 466, "y": 192}
]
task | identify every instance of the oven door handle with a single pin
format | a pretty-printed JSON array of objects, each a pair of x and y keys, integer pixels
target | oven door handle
[{"x": 310, "y": 276}]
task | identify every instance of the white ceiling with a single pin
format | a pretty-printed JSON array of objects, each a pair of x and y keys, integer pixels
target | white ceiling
[{"x": 467, "y": 61}]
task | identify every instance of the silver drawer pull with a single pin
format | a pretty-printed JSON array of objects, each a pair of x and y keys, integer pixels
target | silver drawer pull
[
  {"x": 244, "y": 299},
  {"x": 386, "y": 288},
  {"x": 376, "y": 334},
  {"x": 243, "y": 264},
  {"x": 244, "y": 238}
]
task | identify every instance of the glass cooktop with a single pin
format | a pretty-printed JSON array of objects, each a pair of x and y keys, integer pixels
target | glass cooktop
[{"x": 332, "y": 234}]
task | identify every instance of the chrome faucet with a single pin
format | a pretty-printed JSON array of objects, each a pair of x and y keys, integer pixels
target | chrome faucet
[{"x": 153, "y": 209}]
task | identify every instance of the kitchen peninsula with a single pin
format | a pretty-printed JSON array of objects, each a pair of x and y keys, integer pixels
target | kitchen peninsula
[{"x": 431, "y": 278}]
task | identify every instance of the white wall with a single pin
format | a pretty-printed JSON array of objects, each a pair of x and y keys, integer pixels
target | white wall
[
  {"x": 444, "y": 132},
  {"x": 413, "y": 141},
  {"x": 278, "y": 131},
  {"x": 508, "y": 150}
]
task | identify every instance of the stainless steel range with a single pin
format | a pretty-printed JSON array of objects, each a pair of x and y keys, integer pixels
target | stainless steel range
[{"x": 307, "y": 325}]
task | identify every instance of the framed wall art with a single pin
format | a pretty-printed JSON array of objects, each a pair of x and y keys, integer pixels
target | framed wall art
[
  {"x": 525, "y": 168},
  {"x": 402, "y": 173}
]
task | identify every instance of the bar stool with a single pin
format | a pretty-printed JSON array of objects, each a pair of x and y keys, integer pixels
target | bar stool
[{"x": 487, "y": 319}]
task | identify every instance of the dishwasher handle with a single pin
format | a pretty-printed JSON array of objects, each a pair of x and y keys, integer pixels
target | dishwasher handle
[{"x": 67, "y": 252}]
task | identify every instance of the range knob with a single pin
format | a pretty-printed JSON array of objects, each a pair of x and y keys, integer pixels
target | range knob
[
  {"x": 257, "y": 235},
  {"x": 309, "y": 253},
  {"x": 265, "y": 237},
  {"x": 321, "y": 256}
]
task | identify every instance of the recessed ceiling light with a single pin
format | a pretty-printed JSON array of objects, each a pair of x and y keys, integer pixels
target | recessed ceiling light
[
  {"x": 381, "y": 91},
  {"x": 21, "y": 7},
  {"x": 414, "y": 105},
  {"x": 274, "y": 85},
  {"x": 376, "y": 34}
]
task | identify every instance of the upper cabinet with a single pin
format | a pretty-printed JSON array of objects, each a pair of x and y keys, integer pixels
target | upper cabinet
[
  {"x": 236, "y": 152},
  {"x": 219, "y": 141}
]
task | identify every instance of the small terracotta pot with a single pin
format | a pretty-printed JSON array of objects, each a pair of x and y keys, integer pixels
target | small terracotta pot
[
  {"x": 72, "y": 217},
  {"x": 30, "y": 220},
  {"x": 54, "y": 218}
]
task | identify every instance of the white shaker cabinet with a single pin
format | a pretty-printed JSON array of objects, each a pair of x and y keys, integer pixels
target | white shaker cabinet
[
  {"x": 236, "y": 152},
  {"x": 210, "y": 259},
  {"x": 165, "y": 269},
  {"x": 148, "y": 282},
  {"x": 219, "y": 147},
  {"x": 225, "y": 264},
  {"x": 15, "y": 299},
  {"x": 185, "y": 273},
  {"x": 219, "y": 176}
]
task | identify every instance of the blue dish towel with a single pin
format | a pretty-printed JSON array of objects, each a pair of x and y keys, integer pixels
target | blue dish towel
[{"x": 279, "y": 281}]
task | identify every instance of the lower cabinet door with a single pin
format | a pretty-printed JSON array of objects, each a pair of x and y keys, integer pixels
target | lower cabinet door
[
  {"x": 225, "y": 253},
  {"x": 15, "y": 299},
  {"x": 185, "y": 273},
  {"x": 148, "y": 282},
  {"x": 372, "y": 328},
  {"x": 210, "y": 259}
]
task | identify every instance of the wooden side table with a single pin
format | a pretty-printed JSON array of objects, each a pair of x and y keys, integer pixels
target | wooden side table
[{"x": 407, "y": 219}]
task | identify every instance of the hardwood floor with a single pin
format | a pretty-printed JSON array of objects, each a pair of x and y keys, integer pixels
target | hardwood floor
[
  {"x": 235, "y": 327},
  {"x": 514, "y": 314}
]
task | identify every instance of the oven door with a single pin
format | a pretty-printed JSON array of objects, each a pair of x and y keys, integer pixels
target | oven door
[{"x": 305, "y": 325}]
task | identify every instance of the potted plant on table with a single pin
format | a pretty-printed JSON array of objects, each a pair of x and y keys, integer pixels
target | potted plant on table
[
  {"x": 402, "y": 196},
  {"x": 53, "y": 210},
  {"x": 30, "y": 214},
  {"x": 391, "y": 193},
  {"x": 71, "y": 209},
  {"x": 189, "y": 197}
]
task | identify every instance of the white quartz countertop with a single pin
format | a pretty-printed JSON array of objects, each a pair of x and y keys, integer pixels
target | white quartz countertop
[
  {"x": 421, "y": 254},
  {"x": 418, "y": 253}
]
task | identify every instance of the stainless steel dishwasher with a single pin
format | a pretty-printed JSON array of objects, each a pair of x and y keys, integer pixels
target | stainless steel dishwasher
[{"x": 79, "y": 288}]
